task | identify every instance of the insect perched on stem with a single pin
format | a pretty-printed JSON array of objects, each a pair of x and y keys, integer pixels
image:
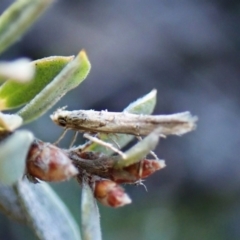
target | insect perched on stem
[{"x": 122, "y": 122}]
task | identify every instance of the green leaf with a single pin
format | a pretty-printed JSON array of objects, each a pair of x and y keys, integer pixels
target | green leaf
[
  {"x": 18, "y": 18},
  {"x": 46, "y": 213},
  {"x": 70, "y": 77},
  {"x": 14, "y": 151},
  {"x": 91, "y": 229},
  {"x": 14, "y": 94},
  {"x": 144, "y": 105}
]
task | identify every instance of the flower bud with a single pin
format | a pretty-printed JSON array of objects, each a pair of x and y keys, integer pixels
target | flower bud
[
  {"x": 136, "y": 171},
  {"x": 110, "y": 194},
  {"x": 49, "y": 163}
]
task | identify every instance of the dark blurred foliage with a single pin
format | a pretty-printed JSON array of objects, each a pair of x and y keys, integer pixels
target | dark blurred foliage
[{"x": 190, "y": 52}]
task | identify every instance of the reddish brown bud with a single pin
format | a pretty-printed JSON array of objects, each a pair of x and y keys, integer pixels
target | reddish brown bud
[
  {"x": 136, "y": 171},
  {"x": 150, "y": 166},
  {"x": 110, "y": 194},
  {"x": 49, "y": 163}
]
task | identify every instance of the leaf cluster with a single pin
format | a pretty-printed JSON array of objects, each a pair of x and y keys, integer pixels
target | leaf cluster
[{"x": 35, "y": 87}]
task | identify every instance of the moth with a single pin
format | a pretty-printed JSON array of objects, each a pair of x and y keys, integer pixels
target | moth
[{"x": 90, "y": 121}]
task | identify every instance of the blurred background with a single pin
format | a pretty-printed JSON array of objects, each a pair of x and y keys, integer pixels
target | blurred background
[{"x": 190, "y": 52}]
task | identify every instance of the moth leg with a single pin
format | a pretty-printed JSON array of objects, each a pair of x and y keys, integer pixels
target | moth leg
[
  {"x": 107, "y": 145},
  {"x": 74, "y": 139},
  {"x": 61, "y": 137},
  {"x": 140, "y": 183}
]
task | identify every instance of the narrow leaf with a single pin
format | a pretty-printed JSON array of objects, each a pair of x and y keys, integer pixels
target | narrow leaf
[
  {"x": 139, "y": 150},
  {"x": 9, "y": 203},
  {"x": 91, "y": 229},
  {"x": 13, "y": 156},
  {"x": 46, "y": 213},
  {"x": 14, "y": 94},
  {"x": 70, "y": 77},
  {"x": 18, "y": 18},
  {"x": 144, "y": 105}
]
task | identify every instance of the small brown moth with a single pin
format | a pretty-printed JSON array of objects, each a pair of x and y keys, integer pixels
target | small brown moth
[{"x": 122, "y": 122}]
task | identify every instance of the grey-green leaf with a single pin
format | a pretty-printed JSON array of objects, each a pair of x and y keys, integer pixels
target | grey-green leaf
[
  {"x": 143, "y": 105},
  {"x": 70, "y": 77},
  {"x": 91, "y": 229},
  {"x": 18, "y": 18},
  {"x": 139, "y": 150},
  {"x": 9, "y": 203},
  {"x": 13, "y": 156},
  {"x": 46, "y": 213}
]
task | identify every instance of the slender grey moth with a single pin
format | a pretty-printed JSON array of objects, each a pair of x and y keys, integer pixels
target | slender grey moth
[{"x": 122, "y": 122}]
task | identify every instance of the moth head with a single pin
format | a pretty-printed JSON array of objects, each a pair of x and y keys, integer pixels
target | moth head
[
  {"x": 62, "y": 121},
  {"x": 59, "y": 117}
]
